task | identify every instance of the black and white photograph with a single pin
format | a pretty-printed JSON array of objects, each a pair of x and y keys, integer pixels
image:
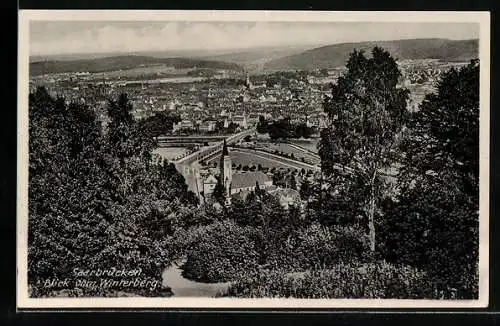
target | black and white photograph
[{"x": 253, "y": 159}]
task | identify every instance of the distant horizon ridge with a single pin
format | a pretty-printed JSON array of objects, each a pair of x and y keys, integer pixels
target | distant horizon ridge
[
  {"x": 261, "y": 60},
  {"x": 120, "y": 53}
]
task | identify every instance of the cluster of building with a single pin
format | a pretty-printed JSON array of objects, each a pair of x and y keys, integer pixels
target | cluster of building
[
  {"x": 199, "y": 103},
  {"x": 212, "y": 105},
  {"x": 420, "y": 77},
  {"x": 205, "y": 105},
  {"x": 424, "y": 72},
  {"x": 239, "y": 185},
  {"x": 222, "y": 121}
]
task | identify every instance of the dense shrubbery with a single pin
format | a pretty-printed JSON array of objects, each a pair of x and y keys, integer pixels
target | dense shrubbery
[
  {"x": 226, "y": 251},
  {"x": 261, "y": 234},
  {"x": 440, "y": 237},
  {"x": 317, "y": 247},
  {"x": 354, "y": 280},
  {"x": 282, "y": 129},
  {"x": 221, "y": 252},
  {"x": 159, "y": 124}
]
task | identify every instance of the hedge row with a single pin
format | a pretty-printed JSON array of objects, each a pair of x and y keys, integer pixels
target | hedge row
[
  {"x": 319, "y": 247},
  {"x": 370, "y": 280},
  {"x": 225, "y": 251}
]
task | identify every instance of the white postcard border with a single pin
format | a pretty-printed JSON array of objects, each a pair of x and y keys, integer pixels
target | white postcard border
[{"x": 25, "y": 16}]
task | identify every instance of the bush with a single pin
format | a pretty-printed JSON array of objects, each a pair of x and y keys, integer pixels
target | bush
[
  {"x": 221, "y": 252},
  {"x": 183, "y": 239},
  {"x": 370, "y": 280},
  {"x": 317, "y": 247},
  {"x": 205, "y": 214},
  {"x": 440, "y": 237}
]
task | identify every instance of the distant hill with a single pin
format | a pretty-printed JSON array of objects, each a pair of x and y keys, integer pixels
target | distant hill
[
  {"x": 123, "y": 63},
  {"x": 253, "y": 58},
  {"x": 336, "y": 55}
]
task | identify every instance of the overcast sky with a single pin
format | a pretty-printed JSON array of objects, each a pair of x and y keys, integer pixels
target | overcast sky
[{"x": 64, "y": 37}]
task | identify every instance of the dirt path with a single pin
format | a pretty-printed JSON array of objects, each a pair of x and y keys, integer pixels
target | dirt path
[{"x": 182, "y": 287}]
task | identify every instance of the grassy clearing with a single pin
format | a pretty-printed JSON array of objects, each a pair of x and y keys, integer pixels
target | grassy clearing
[
  {"x": 309, "y": 144},
  {"x": 288, "y": 149},
  {"x": 252, "y": 159}
]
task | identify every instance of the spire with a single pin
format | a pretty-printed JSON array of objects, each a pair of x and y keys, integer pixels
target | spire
[{"x": 224, "y": 149}]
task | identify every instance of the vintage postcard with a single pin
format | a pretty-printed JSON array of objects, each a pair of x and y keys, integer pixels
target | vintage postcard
[{"x": 253, "y": 159}]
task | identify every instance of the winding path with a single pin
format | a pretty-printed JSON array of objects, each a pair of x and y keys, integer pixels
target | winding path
[{"x": 182, "y": 287}]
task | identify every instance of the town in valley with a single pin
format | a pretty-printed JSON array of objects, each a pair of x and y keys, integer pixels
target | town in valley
[
  {"x": 336, "y": 170},
  {"x": 211, "y": 104}
]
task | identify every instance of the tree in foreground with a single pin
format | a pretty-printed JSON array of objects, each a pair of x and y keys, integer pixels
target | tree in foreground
[
  {"x": 96, "y": 200},
  {"x": 366, "y": 110},
  {"x": 435, "y": 223}
]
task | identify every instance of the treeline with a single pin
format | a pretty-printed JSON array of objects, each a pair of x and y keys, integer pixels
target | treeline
[
  {"x": 283, "y": 78},
  {"x": 201, "y": 73},
  {"x": 283, "y": 129},
  {"x": 228, "y": 82},
  {"x": 161, "y": 123},
  {"x": 124, "y": 63},
  {"x": 97, "y": 200}
]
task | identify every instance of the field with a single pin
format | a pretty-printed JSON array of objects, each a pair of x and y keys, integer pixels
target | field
[
  {"x": 256, "y": 159},
  {"x": 309, "y": 144},
  {"x": 170, "y": 153},
  {"x": 288, "y": 149},
  {"x": 149, "y": 71},
  {"x": 166, "y": 80}
]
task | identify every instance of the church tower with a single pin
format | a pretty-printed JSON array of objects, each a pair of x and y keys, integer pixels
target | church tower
[
  {"x": 248, "y": 83},
  {"x": 226, "y": 171}
]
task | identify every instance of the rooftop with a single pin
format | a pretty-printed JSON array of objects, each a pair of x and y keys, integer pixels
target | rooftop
[{"x": 210, "y": 179}]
